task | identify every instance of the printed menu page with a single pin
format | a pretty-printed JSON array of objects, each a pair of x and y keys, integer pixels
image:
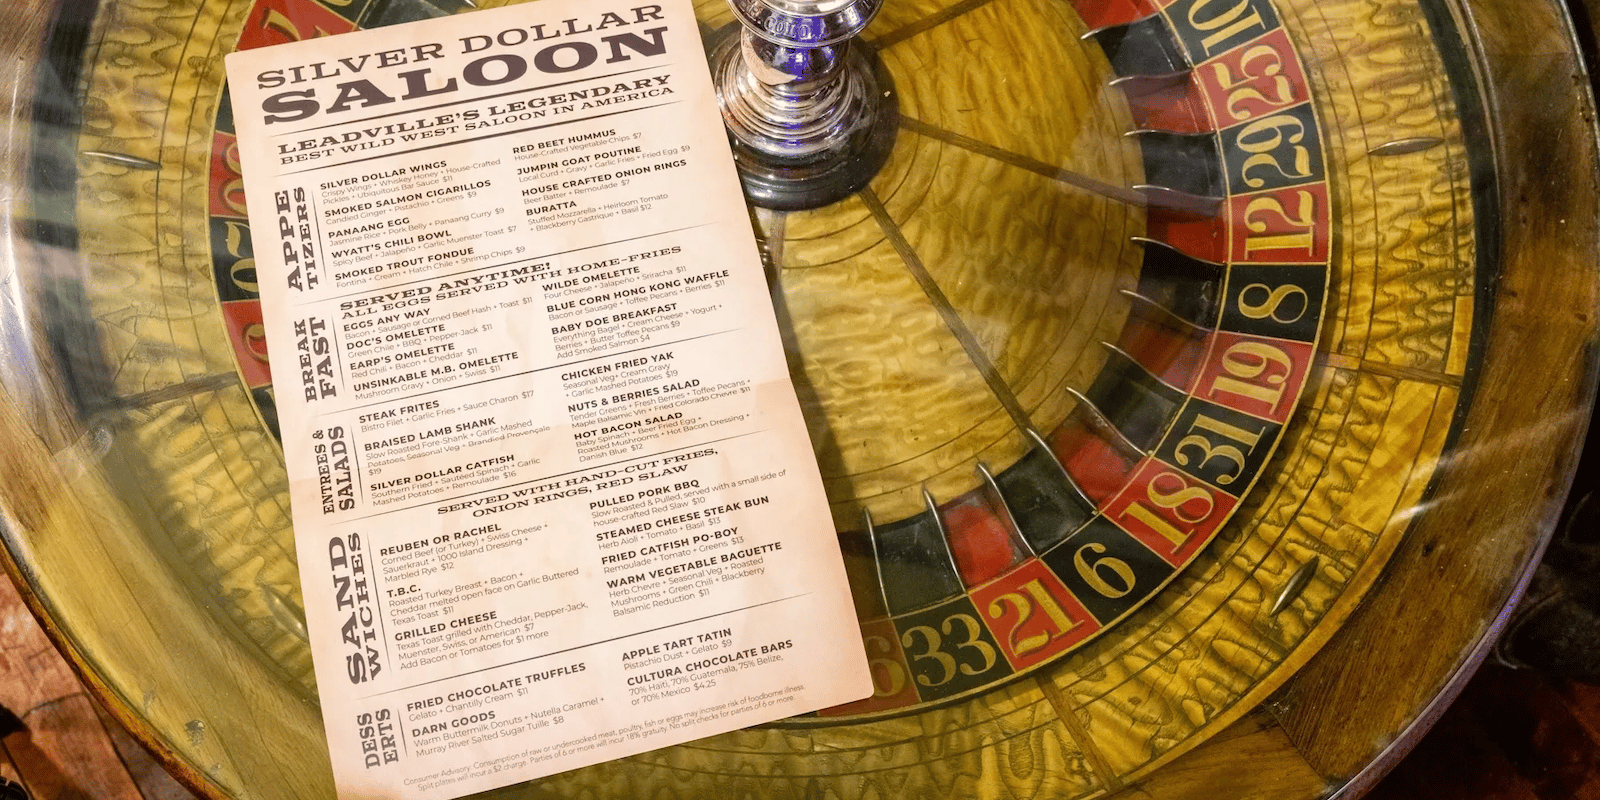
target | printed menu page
[{"x": 554, "y": 500}]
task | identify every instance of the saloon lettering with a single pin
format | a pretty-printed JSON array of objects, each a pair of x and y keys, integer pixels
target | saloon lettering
[{"x": 494, "y": 69}]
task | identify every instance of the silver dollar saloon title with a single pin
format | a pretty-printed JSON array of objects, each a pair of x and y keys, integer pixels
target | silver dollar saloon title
[{"x": 368, "y": 80}]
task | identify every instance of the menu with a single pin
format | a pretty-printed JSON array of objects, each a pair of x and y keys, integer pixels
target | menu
[{"x": 554, "y": 500}]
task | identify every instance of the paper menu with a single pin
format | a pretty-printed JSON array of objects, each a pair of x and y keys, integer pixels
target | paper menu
[{"x": 554, "y": 499}]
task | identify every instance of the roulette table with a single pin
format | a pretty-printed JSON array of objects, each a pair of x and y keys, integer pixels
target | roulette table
[{"x": 1193, "y": 384}]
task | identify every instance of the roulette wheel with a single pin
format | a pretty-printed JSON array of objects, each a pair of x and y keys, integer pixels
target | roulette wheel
[{"x": 1192, "y": 381}]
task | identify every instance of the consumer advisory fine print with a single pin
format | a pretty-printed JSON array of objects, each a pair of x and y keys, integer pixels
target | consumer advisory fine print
[{"x": 554, "y": 500}]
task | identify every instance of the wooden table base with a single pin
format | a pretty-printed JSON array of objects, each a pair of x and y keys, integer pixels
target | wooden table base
[{"x": 55, "y": 740}]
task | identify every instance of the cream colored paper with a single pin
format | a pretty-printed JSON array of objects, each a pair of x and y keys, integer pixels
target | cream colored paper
[{"x": 554, "y": 499}]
